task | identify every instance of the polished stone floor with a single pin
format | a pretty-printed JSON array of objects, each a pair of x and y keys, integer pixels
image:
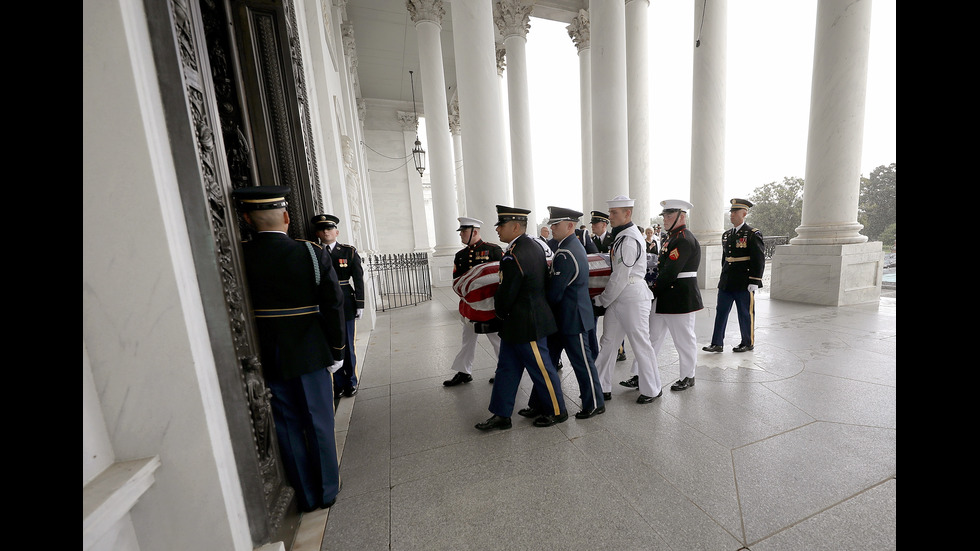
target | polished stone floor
[{"x": 790, "y": 446}]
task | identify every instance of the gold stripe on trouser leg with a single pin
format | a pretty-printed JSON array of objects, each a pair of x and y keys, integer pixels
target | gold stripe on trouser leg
[
  {"x": 752, "y": 318},
  {"x": 547, "y": 379}
]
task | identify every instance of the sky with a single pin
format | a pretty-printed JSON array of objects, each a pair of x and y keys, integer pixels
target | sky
[{"x": 770, "y": 62}]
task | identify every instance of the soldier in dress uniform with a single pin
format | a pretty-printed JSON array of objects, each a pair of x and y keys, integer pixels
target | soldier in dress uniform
[
  {"x": 675, "y": 291},
  {"x": 741, "y": 274},
  {"x": 350, "y": 272},
  {"x": 476, "y": 252},
  {"x": 603, "y": 240},
  {"x": 299, "y": 320},
  {"x": 626, "y": 299},
  {"x": 526, "y": 321},
  {"x": 601, "y": 237},
  {"x": 568, "y": 294}
]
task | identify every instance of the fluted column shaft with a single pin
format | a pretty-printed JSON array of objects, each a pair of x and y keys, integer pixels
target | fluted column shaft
[
  {"x": 512, "y": 18},
  {"x": 427, "y": 16},
  {"x": 707, "y": 219},
  {"x": 638, "y": 107},
  {"x": 454, "y": 129},
  {"x": 610, "y": 140},
  {"x": 578, "y": 30},
  {"x": 480, "y": 110},
  {"x": 836, "y": 133}
]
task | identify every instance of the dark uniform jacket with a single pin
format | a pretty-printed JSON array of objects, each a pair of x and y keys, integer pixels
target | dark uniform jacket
[
  {"x": 520, "y": 300},
  {"x": 568, "y": 288},
  {"x": 281, "y": 276},
  {"x": 603, "y": 244},
  {"x": 590, "y": 246},
  {"x": 744, "y": 260},
  {"x": 679, "y": 253},
  {"x": 474, "y": 255},
  {"x": 350, "y": 272}
]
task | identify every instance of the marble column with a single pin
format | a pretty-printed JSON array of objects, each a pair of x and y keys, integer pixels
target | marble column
[
  {"x": 578, "y": 30},
  {"x": 829, "y": 262},
  {"x": 512, "y": 18},
  {"x": 454, "y": 129},
  {"x": 410, "y": 124},
  {"x": 707, "y": 219},
  {"x": 638, "y": 107},
  {"x": 427, "y": 16},
  {"x": 610, "y": 140},
  {"x": 479, "y": 110}
]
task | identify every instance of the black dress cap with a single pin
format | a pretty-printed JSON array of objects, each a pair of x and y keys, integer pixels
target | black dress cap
[
  {"x": 324, "y": 221},
  {"x": 260, "y": 197},
  {"x": 559, "y": 214},
  {"x": 506, "y": 214}
]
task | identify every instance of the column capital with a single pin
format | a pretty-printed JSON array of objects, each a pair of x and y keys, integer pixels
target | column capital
[
  {"x": 578, "y": 30},
  {"x": 426, "y": 10},
  {"x": 409, "y": 122},
  {"x": 513, "y": 17},
  {"x": 501, "y": 59}
]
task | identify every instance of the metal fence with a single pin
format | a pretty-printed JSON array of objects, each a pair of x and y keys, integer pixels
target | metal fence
[
  {"x": 399, "y": 279},
  {"x": 772, "y": 241}
]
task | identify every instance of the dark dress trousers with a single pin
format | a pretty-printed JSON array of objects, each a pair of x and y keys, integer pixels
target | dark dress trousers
[
  {"x": 568, "y": 295},
  {"x": 743, "y": 263},
  {"x": 350, "y": 272},
  {"x": 526, "y": 321},
  {"x": 680, "y": 255},
  {"x": 300, "y": 329}
]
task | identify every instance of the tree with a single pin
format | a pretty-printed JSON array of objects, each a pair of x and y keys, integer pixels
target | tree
[
  {"x": 778, "y": 207},
  {"x": 877, "y": 203}
]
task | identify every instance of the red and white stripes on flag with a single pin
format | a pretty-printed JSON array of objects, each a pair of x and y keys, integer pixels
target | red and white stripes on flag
[{"x": 477, "y": 286}]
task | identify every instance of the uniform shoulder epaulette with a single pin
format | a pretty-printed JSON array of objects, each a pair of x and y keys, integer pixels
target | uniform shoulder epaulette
[
  {"x": 351, "y": 247},
  {"x": 317, "y": 245}
]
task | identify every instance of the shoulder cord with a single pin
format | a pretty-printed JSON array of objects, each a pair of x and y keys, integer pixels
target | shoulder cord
[
  {"x": 316, "y": 262},
  {"x": 619, "y": 240}
]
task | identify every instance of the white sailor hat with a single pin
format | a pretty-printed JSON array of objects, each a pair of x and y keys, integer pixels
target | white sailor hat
[
  {"x": 670, "y": 205},
  {"x": 620, "y": 201},
  {"x": 466, "y": 222}
]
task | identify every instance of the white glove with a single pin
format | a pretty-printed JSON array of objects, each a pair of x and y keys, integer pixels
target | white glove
[
  {"x": 595, "y": 300},
  {"x": 334, "y": 367},
  {"x": 360, "y": 311},
  {"x": 753, "y": 287}
]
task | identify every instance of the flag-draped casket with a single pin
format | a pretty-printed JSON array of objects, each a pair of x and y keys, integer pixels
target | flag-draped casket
[{"x": 477, "y": 286}]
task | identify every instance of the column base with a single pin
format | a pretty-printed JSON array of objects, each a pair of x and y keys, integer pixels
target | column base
[
  {"x": 829, "y": 275},
  {"x": 709, "y": 271},
  {"x": 441, "y": 267}
]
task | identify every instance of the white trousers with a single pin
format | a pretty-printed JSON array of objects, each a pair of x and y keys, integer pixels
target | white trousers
[
  {"x": 632, "y": 321},
  {"x": 681, "y": 328},
  {"x": 464, "y": 358}
]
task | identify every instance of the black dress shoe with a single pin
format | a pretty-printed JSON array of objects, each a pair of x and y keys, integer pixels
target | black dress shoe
[
  {"x": 607, "y": 396},
  {"x": 743, "y": 348},
  {"x": 632, "y": 382},
  {"x": 350, "y": 391},
  {"x": 491, "y": 380},
  {"x": 683, "y": 384},
  {"x": 530, "y": 412},
  {"x": 548, "y": 420},
  {"x": 713, "y": 348},
  {"x": 494, "y": 422},
  {"x": 642, "y": 399},
  {"x": 586, "y": 414},
  {"x": 621, "y": 357},
  {"x": 458, "y": 378}
]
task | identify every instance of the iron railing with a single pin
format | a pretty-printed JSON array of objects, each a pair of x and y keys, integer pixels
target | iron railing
[
  {"x": 399, "y": 279},
  {"x": 772, "y": 241}
]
